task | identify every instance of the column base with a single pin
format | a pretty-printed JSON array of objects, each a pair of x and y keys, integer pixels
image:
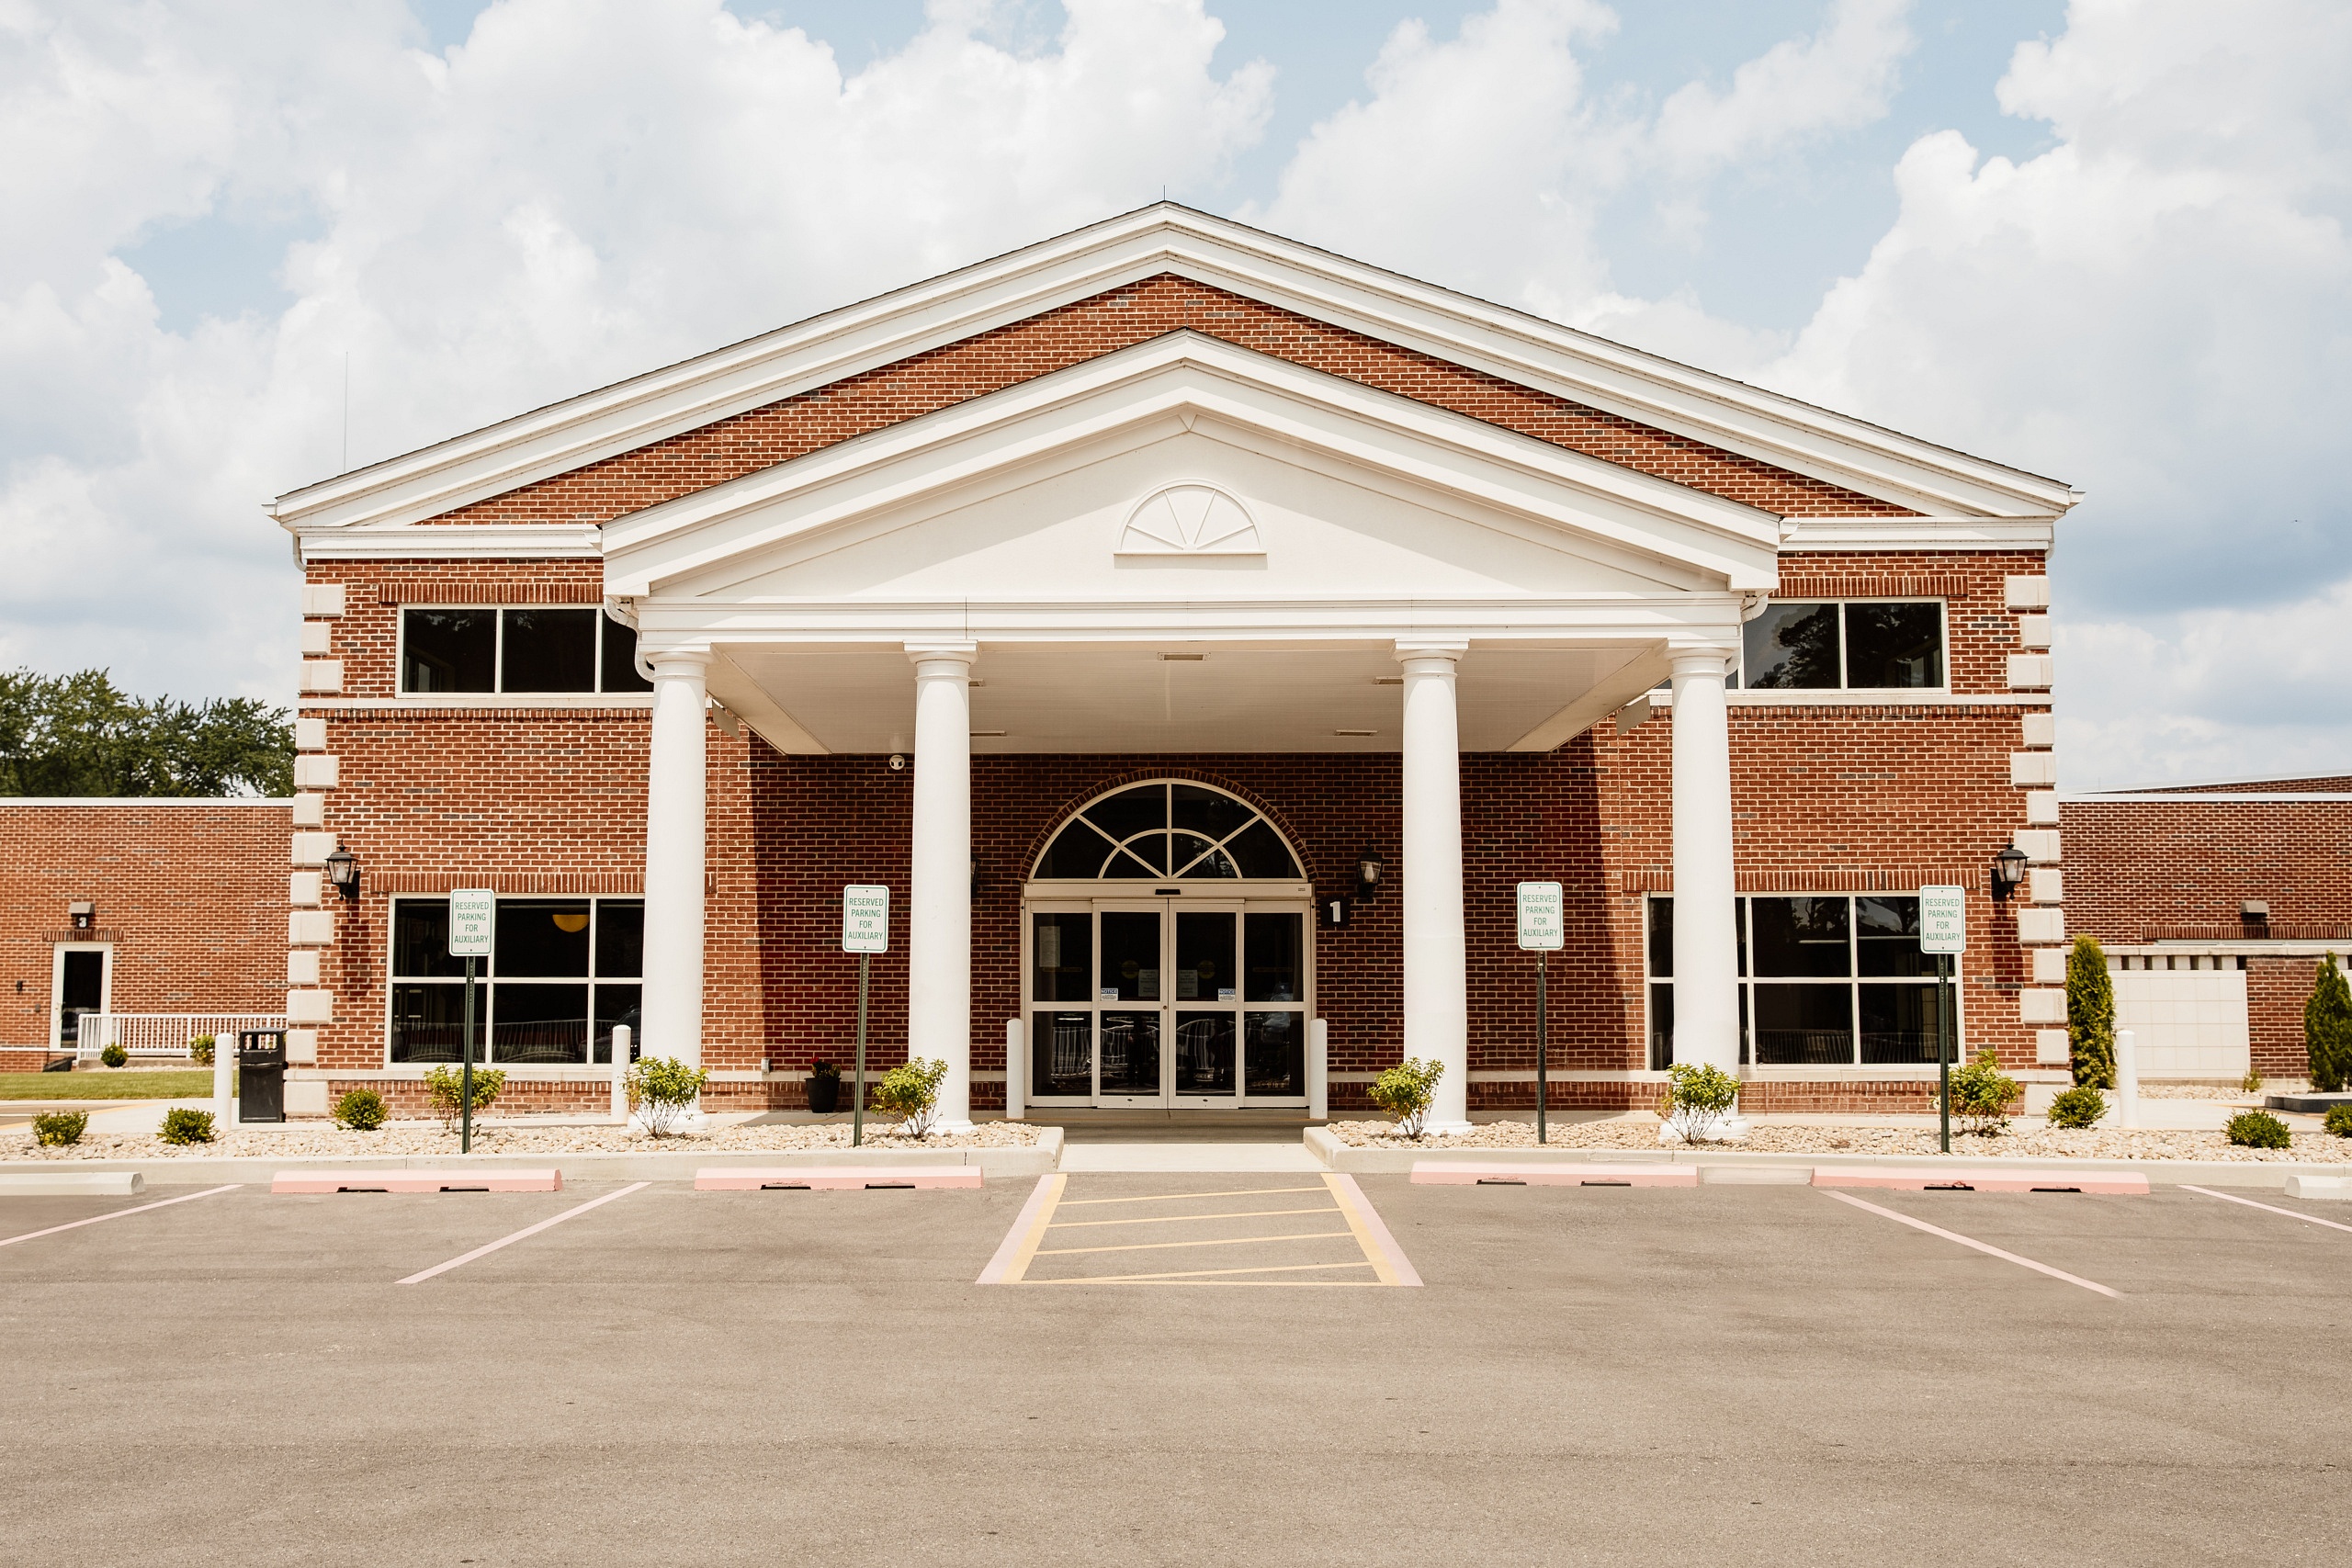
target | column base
[
  {"x": 1447, "y": 1129},
  {"x": 943, "y": 1128}
]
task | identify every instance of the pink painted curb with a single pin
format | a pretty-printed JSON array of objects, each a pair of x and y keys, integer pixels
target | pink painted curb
[
  {"x": 417, "y": 1181},
  {"x": 737, "y": 1178},
  {"x": 1438, "y": 1173},
  {"x": 1980, "y": 1179}
]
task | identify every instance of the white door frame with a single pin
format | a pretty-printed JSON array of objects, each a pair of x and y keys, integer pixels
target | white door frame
[{"x": 57, "y": 984}]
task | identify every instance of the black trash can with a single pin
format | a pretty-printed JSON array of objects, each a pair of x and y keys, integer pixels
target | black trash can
[{"x": 261, "y": 1075}]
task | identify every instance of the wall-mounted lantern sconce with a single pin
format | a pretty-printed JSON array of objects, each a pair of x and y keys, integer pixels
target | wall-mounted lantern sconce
[
  {"x": 1369, "y": 866},
  {"x": 82, "y": 913},
  {"x": 343, "y": 869},
  {"x": 2008, "y": 870}
]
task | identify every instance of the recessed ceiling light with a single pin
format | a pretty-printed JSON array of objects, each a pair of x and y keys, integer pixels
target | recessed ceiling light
[
  {"x": 1182, "y": 658},
  {"x": 1388, "y": 680},
  {"x": 986, "y": 734},
  {"x": 1355, "y": 732}
]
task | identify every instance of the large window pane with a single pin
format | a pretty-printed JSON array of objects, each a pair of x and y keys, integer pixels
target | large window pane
[
  {"x": 618, "y": 1005},
  {"x": 539, "y": 1023},
  {"x": 1661, "y": 1028},
  {"x": 1062, "y": 957},
  {"x": 1131, "y": 1053},
  {"x": 427, "y": 1023},
  {"x": 1886, "y": 937},
  {"x": 1898, "y": 1024},
  {"x": 1895, "y": 645},
  {"x": 542, "y": 936},
  {"x": 1273, "y": 961},
  {"x": 421, "y": 940},
  {"x": 1799, "y": 936},
  {"x": 1204, "y": 963},
  {"x": 448, "y": 650},
  {"x": 620, "y": 660},
  {"x": 549, "y": 650},
  {"x": 1792, "y": 646},
  {"x": 1204, "y": 1053},
  {"x": 620, "y": 939},
  {"x": 1061, "y": 1053},
  {"x": 1804, "y": 1025},
  {"x": 1273, "y": 1052},
  {"x": 1130, "y": 969},
  {"x": 1662, "y": 938}
]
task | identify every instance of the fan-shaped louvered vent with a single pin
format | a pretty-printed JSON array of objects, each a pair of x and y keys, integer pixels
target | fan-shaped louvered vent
[{"x": 1190, "y": 520}]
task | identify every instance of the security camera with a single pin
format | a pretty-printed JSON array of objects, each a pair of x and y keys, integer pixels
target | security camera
[{"x": 898, "y": 764}]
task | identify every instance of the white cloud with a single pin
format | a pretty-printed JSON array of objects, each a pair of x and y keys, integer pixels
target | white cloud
[{"x": 1840, "y": 79}]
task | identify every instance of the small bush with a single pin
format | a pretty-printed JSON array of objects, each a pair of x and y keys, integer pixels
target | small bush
[
  {"x": 361, "y": 1110},
  {"x": 1406, "y": 1091},
  {"x": 1698, "y": 1095},
  {"x": 2251, "y": 1083},
  {"x": 824, "y": 1070},
  {"x": 184, "y": 1125},
  {"x": 662, "y": 1090},
  {"x": 911, "y": 1092},
  {"x": 2078, "y": 1107},
  {"x": 2259, "y": 1130},
  {"x": 2338, "y": 1120},
  {"x": 58, "y": 1129},
  {"x": 446, "y": 1086},
  {"x": 115, "y": 1056},
  {"x": 200, "y": 1048},
  {"x": 1981, "y": 1094}
]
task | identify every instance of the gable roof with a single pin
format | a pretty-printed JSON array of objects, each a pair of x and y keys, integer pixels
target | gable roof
[{"x": 1640, "y": 391}]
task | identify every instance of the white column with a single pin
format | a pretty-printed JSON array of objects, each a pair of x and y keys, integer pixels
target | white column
[
  {"x": 1437, "y": 971},
  {"x": 673, "y": 860},
  {"x": 1706, "y": 954},
  {"x": 939, "y": 898}
]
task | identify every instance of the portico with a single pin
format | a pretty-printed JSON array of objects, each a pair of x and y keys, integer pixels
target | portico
[{"x": 1186, "y": 547}]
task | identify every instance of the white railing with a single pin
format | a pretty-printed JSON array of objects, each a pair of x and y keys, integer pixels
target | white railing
[{"x": 164, "y": 1034}]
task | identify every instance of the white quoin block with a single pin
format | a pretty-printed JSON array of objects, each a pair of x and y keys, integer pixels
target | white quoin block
[
  {"x": 2033, "y": 767},
  {"x": 2052, "y": 1048},
  {"x": 2047, "y": 884},
  {"x": 2033, "y": 631},
  {"x": 310, "y": 810},
  {"x": 303, "y": 888},
  {"x": 2049, "y": 966},
  {"x": 2040, "y": 844},
  {"x": 313, "y": 849},
  {"x": 322, "y": 674},
  {"x": 2041, "y": 1006},
  {"x": 316, "y": 772},
  {"x": 2042, "y": 807},
  {"x": 310, "y": 735},
  {"x": 318, "y": 636},
  {"x": 301, "y": 1048},
  {"x": 2040, "y": 728},
  {"x": 2032, "y": 671},
  {"x": 2042, "y": 925},
  {"x": 2027, "y": 593},
  {"x": 302, "y": 968},
  {"x": 309, "y": 1007},
  {"x": 311, "y": 927},
  {"x": 322, "y": 599}
]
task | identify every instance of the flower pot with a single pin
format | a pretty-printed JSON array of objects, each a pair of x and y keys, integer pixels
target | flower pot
[{"x": 824, "y": 1095}]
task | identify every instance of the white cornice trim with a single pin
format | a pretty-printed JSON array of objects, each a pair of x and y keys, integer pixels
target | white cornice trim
[
  {"x": 2202, "y": 798},
  {"x": 1920, "y": 534},
  {"x": 1169, "y": 239},
  {"x": 454, "y": 541}
]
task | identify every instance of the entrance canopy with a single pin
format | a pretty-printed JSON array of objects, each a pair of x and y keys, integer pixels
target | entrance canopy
[{"x": 1185, "y": 546}]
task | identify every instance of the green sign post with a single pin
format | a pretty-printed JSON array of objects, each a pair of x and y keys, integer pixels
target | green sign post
[
  {"x": 1541, "y": 929},
  {"x": 865, "y": 931},
  {"x": 473, "y": 919},
  {"x": 1943, "y": 931}
]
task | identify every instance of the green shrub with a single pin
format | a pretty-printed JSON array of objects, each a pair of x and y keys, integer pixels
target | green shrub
[
  {"x": 184, "y": 1125},
  {"x": 57, "y": 1129},
  {"x": 1406, "y": 1091},
  {"x": 2251, "y": 1083},
  {"x": 446, "y": 1086},
  {"x": 662, "y": 1090},
  {"x": 2090, "y": 1015},
  {"x": 2081, "y": 1106},
  {"x": 2327, "y": 1028},
  {"x": 2259, "y": 1130},
  {"x": 911, "y": 1092},
  {"x": 824, "y": 1070},
  {"x": 200, "y": 1048},
  {"x": 361, "y": 1110},
  {"x": 115, "y": 1056},
  {"x": 1981, "y": 1094},
  {"x": 2338, "y": 1120},
  {"x": 1697, "y": 1096}
]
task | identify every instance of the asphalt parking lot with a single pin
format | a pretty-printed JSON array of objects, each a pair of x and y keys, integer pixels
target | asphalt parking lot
[{"x": 1582, "y": 1375}]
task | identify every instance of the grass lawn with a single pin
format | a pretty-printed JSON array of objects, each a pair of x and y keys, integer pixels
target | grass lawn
[{"x": 195, "y": 1083}]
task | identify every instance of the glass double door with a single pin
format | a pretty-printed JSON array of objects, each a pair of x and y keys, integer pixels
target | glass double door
[{"x": 1136, "y": 1004}]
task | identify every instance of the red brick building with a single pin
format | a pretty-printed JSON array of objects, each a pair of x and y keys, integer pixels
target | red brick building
[{"x": 1200, "y": 635}]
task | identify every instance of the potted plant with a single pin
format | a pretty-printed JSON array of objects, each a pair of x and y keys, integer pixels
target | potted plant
[{"x": 824, "y": 1088}]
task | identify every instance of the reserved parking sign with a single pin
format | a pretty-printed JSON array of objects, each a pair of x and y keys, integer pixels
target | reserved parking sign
[
  {"x": 1541, "y": 925},
  {"x": 1943, "y": 920}
]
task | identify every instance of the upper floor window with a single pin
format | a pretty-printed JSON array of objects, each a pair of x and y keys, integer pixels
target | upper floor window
[
  {"x": 1168, "y": 830},
  {"x": 1851, "y": 644},
  {"x": 538, "y": 649}
]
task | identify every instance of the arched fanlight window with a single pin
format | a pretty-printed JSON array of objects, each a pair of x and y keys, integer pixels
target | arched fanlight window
[{"x": 1163, "y": 830}]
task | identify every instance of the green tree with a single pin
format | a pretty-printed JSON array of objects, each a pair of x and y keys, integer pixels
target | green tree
[
  {"x": 2327, "y": 1028},
  {"x": 80, "y": 734},
  {"x": 2090, "y": 1015}
]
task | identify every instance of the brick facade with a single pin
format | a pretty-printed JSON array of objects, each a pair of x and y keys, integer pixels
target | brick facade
[{"x": 191, "y": 897}]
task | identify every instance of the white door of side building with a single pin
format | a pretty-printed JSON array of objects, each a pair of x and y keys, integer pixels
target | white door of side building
[{"x": 2188, "y": 1023}]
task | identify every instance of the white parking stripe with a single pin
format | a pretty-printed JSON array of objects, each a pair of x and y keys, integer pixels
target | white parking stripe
[
  {"x": 424, "y": 1275},
  {"x": 1970, "y": 1241},
  {"x": 101, "y": 1219},
  {"x": 2267, "y": 1208}
]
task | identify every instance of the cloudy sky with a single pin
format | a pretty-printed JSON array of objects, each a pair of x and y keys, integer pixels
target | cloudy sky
[{"x": 2105, "y": 241}]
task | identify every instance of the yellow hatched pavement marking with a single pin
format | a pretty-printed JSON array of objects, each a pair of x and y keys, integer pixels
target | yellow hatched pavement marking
[
  {"x": 1212, "y": 1241},
  {"x": 1024, "y": 1243},
  {"x": 1216, "y": 1277},
  {"x": 1185, "y": 1219},
  {"x": 1173, "y": 1197},
  {"x": 1386, "y": 1258},
  {"x": 1020, "y": 1244}
]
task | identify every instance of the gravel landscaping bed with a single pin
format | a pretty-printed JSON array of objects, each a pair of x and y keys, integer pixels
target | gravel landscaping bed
[
  {"x": 2022, "y": 1141},
  {"x": 494, "y": 1138}
]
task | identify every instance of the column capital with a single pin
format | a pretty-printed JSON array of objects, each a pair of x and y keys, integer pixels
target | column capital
[
  {"x": 682, "y": 661},
  {"x": 947, "y": 652},
  {"x": 1701, "y": 660},
  {"x": 1446, "y": 647}
]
